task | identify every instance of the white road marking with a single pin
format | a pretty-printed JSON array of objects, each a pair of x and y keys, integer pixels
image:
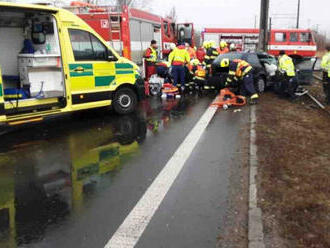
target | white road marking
[{"x": 130, "y": 231}]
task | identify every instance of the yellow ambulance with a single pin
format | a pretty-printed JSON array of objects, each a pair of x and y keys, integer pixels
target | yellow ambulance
[{"x": 52, "y": 62}]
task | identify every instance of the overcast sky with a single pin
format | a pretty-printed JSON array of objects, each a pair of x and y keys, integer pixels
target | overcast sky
[{"x": 241, "y": 13}]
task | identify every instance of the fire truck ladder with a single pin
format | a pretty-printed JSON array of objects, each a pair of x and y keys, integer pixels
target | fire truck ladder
[{"x": 115, "y": 30}]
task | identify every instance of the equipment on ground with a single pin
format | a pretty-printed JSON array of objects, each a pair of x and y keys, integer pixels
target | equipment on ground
[
  {"x": 228, "y": 99},
  {"x": 170, "y": 90}
]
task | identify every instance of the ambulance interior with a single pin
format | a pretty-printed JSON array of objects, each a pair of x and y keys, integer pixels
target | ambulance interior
[{"x": 30, "y": 58}]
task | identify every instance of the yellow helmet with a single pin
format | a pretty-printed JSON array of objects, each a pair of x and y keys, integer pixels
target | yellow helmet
[
  {"x": 205, "y": 44},
  {"x": 224, "y": 63},
  {"x": 223, "y": 44},
  {"x": 194, "y": 62},
  {"x": 212, "y": 44}
]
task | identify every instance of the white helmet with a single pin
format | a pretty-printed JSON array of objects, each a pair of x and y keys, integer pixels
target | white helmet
[
  {"x": 232, "y": 47},
  {"x": 172, "y": 46}
]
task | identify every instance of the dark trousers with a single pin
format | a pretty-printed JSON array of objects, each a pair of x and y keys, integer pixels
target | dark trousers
[
  {"x": 248, "y": 84},
  {"x": 178, "y": 73},
  {"x": 286, "y": 86},
  {"x": 326, "y": 87}
]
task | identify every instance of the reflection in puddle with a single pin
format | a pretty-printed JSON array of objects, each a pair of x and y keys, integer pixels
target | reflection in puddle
[{"x": 48, "y": 173}]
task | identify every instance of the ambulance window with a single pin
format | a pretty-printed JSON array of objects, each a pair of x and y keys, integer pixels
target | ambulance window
[
  {"x": 280, "y": 37},
  {"x": 294, "y": 37},
  {"x": 100, "y": 51},
  {"x": 86, "y": 46},
  {"x": 81, "y": 45}
]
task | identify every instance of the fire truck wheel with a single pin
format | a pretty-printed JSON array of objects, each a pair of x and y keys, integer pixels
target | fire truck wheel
[
  {"x": 125, "y": 101},
  {"x": 260, "y": 85}
]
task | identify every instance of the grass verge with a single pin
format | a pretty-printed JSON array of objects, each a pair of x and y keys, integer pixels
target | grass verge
[{"x": 293, "y": 142}]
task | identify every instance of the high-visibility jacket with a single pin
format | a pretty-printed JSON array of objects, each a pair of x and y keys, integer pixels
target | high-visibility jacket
[
  {"x": 238, "y": 69},
  {"x": 211, "y": 55},
  {"x": 179, "y": 56},
  {"x": 222, "y": 51},
  {"x": 286, "y": 65},
  {"x": 325, "y": 64},
  {"x": 150, "y": 55}
]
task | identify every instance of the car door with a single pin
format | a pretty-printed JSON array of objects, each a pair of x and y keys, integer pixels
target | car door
[
  {"x": 91, "y": 72},
  {"x": 305, "y": 68}
]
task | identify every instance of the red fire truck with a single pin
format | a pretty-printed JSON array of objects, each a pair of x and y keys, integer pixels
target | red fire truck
[
  {"x": 296, "y": 42},
  {"x": 130, "y": 30}
]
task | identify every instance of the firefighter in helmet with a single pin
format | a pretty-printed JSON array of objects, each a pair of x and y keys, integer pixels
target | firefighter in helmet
[
  {"x": 240, "y": 72},
  {"x": 223, "y": 47},
  {"x": 211, "y": 55}
]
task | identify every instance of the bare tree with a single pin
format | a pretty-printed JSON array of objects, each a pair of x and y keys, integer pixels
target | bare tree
[
  {"x": 172, "y": 14},
  {"x": 320, "y": 40}
]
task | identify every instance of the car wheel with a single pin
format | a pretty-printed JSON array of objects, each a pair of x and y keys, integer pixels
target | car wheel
[
  {"x": 125, "y": 101},
  {"x": 260, "y": 85}
]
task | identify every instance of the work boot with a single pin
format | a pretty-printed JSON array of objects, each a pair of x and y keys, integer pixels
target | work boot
[
  {"x": 182, "y": 89},
  {"x": 254, "y": 99}
]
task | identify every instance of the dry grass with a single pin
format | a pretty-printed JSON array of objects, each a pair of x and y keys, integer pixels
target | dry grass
[{"x": 294, "y": 150}]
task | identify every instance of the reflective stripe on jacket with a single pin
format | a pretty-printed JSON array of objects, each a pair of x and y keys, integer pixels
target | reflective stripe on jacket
[
  {"x": 238, "y": 69},
  {"x": 151, "y": 55},
  {"x": 211, "y": 55},
  {"x": 286, "y": 65},
  {"x": 325, "y": 64},
  {"x": 179, "y": 56}
]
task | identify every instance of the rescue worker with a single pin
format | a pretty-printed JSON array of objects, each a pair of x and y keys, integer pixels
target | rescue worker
[
  {"x": 325, "y": 64},
  {"x": 200, "y": 54},
  {"x": 223, "y": 48},
  {"x": 240, "y": 72},
  {"x": 198, "y": 72},
  {"x": 191, "y": 51},
  {"x": 287, "y": 82},
  {"x": 178, "y": 58},
  {"x": 150, "y": 56},
  {"x": 211, "y": 55}
]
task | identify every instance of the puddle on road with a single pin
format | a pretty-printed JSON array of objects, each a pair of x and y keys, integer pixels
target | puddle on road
[{"x": 48, "y": 172}]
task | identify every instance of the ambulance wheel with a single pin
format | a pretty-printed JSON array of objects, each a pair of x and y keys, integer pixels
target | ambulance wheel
[{"x": 125, "y": 101}]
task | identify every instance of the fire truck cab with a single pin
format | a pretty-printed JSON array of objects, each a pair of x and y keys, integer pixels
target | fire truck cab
[
  {"x": 129, "y": 30},
  {"x": 296, "y": 42}
]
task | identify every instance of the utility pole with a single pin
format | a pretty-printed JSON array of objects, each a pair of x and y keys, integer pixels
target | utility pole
[
  {"x": 263, "y": 31},
  {"x": 298, "y": 14}
]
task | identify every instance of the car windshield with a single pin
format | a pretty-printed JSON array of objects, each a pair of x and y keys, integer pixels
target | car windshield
[{"x": 266, "y": 58}]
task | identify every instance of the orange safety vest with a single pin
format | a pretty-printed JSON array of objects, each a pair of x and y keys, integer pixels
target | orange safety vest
[
  {"x": 225, "y": 50},
  {"x": 240, "y": 68}
]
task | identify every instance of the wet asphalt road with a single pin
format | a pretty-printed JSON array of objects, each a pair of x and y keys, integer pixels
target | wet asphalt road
[{"x": 71, "y": 182}]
